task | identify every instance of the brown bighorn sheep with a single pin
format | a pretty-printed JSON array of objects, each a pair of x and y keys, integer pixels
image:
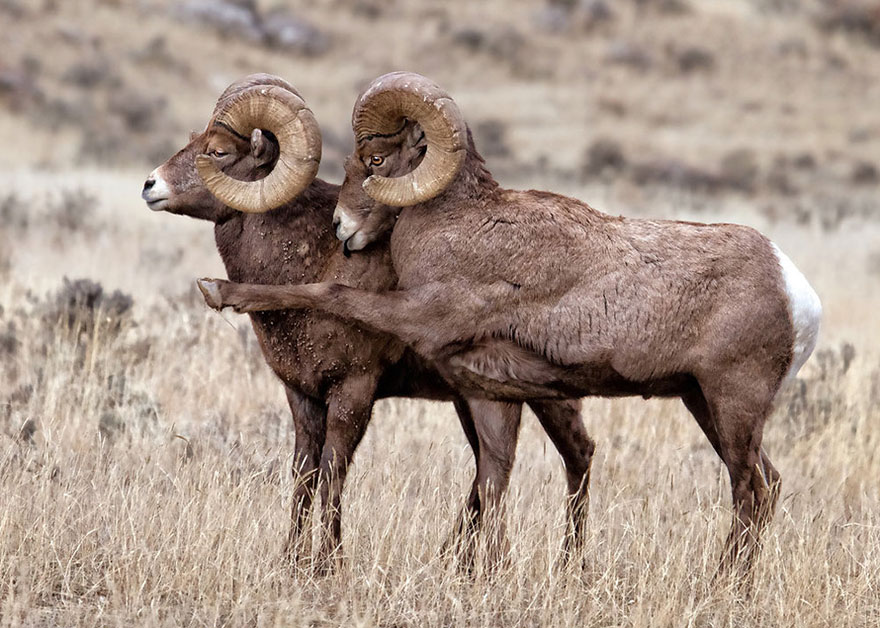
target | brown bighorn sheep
[
  {"x": 261, "y": 150},
  {"x": 530, "y": 295}
]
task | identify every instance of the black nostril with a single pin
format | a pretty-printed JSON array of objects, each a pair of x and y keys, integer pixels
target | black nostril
[
  {"x": 335, "y": 223},
  {"x": 149, "y": 183}
]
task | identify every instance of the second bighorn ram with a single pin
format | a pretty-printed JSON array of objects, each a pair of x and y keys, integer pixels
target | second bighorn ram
[
  {"x": 251, "y": 172},
  {"x": 521, "y": 295}
]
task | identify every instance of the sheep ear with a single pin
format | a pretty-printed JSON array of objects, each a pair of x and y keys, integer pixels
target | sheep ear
[
  {"x": 417, "y": 136},
  {"x": 418, "y": 141},
  {"x": 260, "y": 147}
]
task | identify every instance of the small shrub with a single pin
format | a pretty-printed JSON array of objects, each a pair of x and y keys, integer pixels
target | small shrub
[
  {"x": 865, "y": 173},
  {"x": 695, "y": 59},
  {"x": 561, "y": 15},
  {"x": 502, "y": 44},
  {"x": 5, "y": 263},
  {"x": 739, "y": 169},
  {"x": 283, "y": 30},
  {"x": 156, "y": 52},
  {"x": 90, "y": 73},
  {"x": 109, "y": 426},
  {"x": 664, "y": 7},
  {"x": 13, "y": 8},
  {"x": 9, "y": 342},
  {"x": 856, "y": 17},
  {"x": 16, "y": 401},
  {"x": 603, "y": 157},
  {"x": 370, "y": 9},
  {"x": 18, "y": 89},
  {"x": 676, "y": 173},
  {"x": 242, "y": 19},
  {"x": 812, "y": 401},
  {"x": 804, "y": 161},
  {"x": 623, "y": 52},
  {"x": 14, "y": 216},
  {"x": 27, "y": 431},
  {"x": 230, "y": 18},
  {"x": 140, "y": 112},
  {"x": 778, "y": 177},
  {"x": 82, "y": 304}
]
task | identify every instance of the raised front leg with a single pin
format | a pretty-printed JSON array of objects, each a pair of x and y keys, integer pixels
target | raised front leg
[
  {"x": 309, "y": 422},
  {"x": 349, "y": 409},
  {"x": 427, "y": 318}
]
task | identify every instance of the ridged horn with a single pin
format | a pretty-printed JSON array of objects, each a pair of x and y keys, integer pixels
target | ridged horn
[
  {"x": 251, "y": 80},
  {"x": 276, "y": 108},
  {"x": 381, "y": 110}
]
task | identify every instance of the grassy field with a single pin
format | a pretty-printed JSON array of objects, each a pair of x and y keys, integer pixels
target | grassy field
[{"x": 145, "y": 447}]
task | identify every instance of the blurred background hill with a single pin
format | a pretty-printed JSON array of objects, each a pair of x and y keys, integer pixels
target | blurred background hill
[
  {"x": 752, "y": 96},
  {"x": 757, "y": 111}
]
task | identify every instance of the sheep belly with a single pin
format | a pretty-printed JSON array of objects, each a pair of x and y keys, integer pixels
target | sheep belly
[{"x": 500, "y": 369}]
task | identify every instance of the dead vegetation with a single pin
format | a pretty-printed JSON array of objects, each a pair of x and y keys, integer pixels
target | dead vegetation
[
  {"x": 277, "y": 27},
  {"x": 147, "y": 491},
  {"x": 140, "y": 487},
  {"x": 860, "y": 18},
  {"x": 82, "y": 306},
  {"x": 66, "y": 212}
]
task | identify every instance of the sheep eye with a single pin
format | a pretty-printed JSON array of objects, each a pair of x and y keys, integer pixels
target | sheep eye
[
  {"x": 377, "y": 160},
  {"x": 218, "y": 153}
]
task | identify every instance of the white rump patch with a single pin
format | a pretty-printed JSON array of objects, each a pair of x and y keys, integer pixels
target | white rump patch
[{"x": 805, "y": 309}]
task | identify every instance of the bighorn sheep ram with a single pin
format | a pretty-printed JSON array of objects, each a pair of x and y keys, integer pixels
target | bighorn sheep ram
[
  {"x": 522, "y": 295},
  {"x": 261, "y": 150}
]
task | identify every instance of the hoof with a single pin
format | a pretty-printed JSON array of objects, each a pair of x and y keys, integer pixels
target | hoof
[{"x": 211, "y": 291}]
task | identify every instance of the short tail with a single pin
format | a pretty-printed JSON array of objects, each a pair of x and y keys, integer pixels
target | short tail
[{"x": 805, "y": 310}]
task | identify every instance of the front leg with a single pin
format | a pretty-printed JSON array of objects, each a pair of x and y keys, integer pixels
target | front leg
[
  {"x": 309, "y": 422},
  {"x": 427, "y": 318},
  {"x": 349, "y": 409}
]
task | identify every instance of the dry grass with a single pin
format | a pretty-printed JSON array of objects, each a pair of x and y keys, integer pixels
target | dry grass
[
  {"x": 144, "y": 453},
  {"x": 122, "y": 521},
  {"x": 150, "y": 483}
]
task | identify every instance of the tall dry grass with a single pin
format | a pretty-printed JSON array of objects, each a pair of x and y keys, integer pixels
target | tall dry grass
[
  {"x": 144, "y": 456},
  {"x": 144, "y": 450}
]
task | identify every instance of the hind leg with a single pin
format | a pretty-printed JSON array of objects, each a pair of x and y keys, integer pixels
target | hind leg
[
  {"x": 562, "y": 422},
  {"x": 738, "y": 404},
  {"x": 698, "y": 406},
  {"x": 497, "y": 427},
  {"x": 466, "y": 523},
  {"x": 696, "y": 403}
]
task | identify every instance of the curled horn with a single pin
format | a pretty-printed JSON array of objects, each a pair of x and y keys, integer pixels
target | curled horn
[
  {"x": 252, "y": 80},
  {"x": 382, "y": 108},
  {"x": 273, "y": 105}
]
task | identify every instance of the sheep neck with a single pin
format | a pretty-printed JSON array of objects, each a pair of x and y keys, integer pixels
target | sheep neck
[{"x": 288, "y": 245}]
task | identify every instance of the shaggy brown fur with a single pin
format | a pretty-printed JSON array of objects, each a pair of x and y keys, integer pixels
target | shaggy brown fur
[
  {"x": 333, "y": 371},
  {"x": 531, "y": 295}
]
